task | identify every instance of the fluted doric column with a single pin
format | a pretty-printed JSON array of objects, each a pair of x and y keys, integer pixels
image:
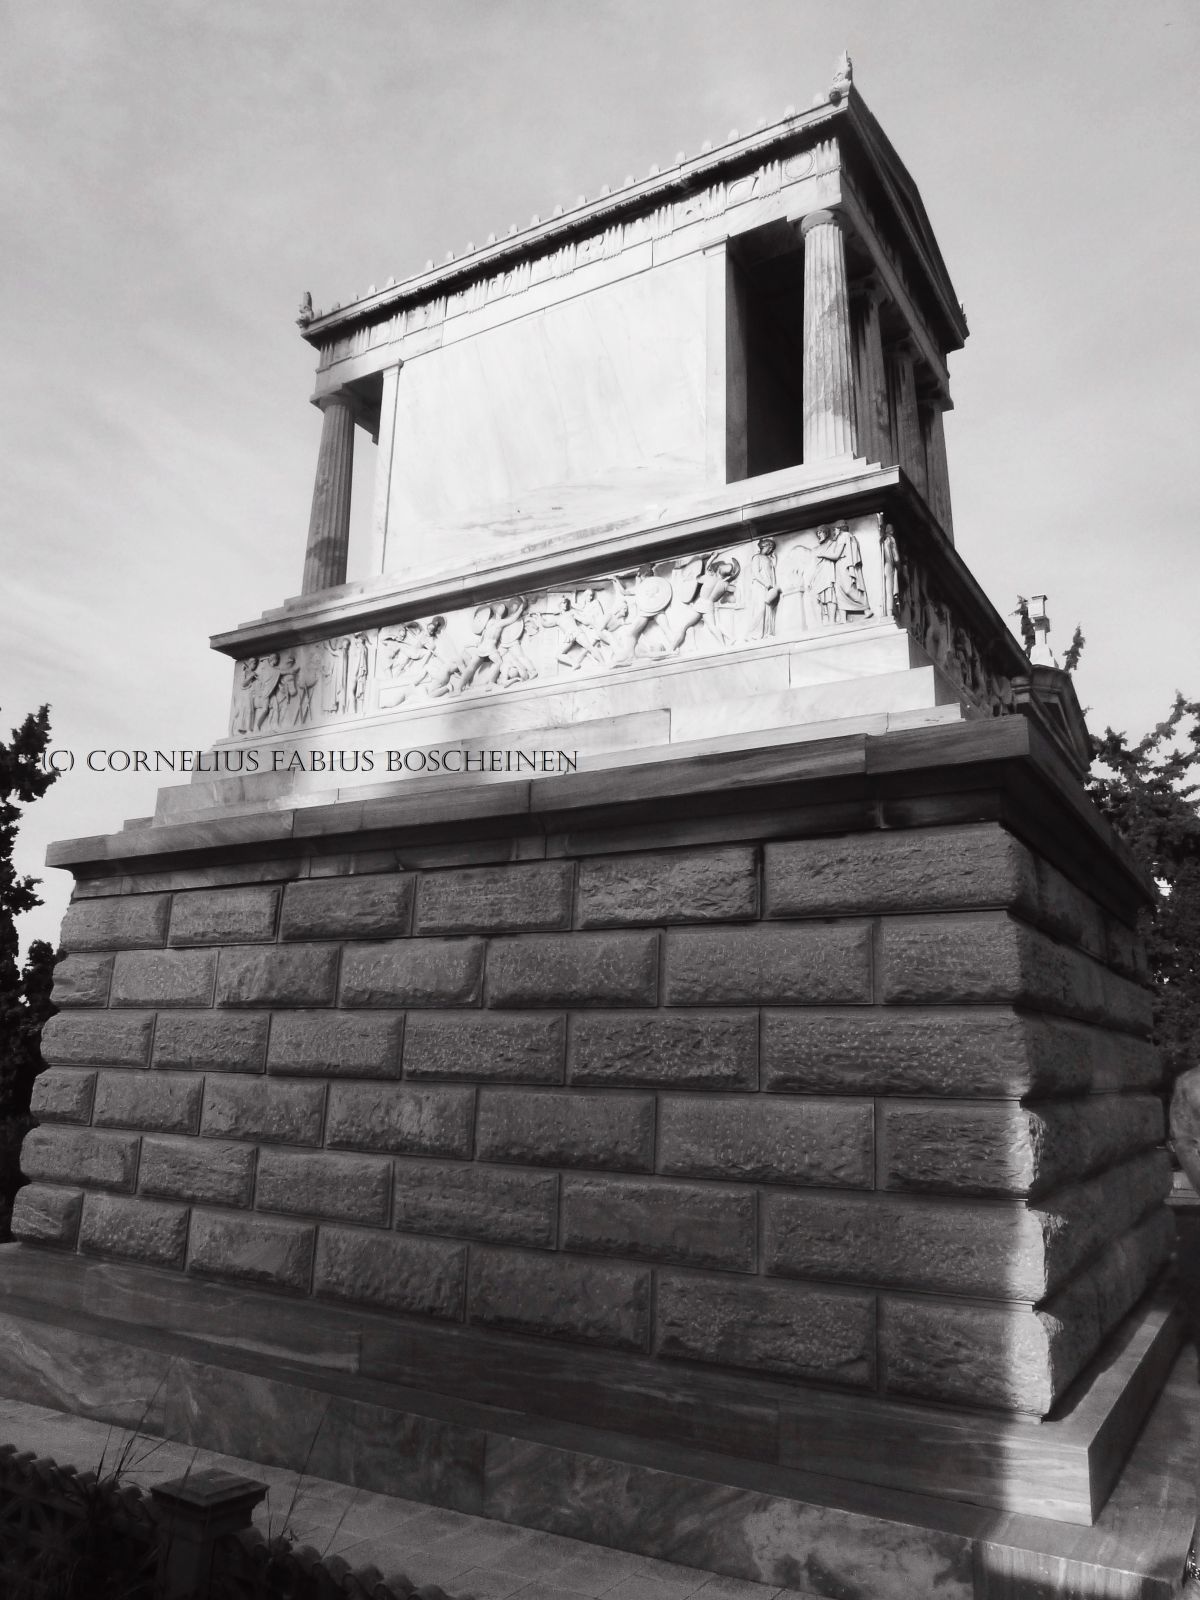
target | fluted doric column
[
  {"x": 873, "y": 429},
  {"x": 906, "y": 421},
  {"x": 329, "y": 524},
  {"x": 828, "y": 359}
]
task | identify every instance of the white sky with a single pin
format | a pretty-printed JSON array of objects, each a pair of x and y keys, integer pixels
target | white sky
[{"x": 173, "y": 176}]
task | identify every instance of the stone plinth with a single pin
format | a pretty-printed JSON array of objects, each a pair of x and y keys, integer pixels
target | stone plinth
[{"x": 840, "y": 1086}]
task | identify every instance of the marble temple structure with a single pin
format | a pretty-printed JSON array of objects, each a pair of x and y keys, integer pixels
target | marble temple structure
[{"x": 696, "y": 1092}]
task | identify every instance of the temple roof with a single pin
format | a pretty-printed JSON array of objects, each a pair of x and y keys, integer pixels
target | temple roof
[{"x": 841, "y": 113}]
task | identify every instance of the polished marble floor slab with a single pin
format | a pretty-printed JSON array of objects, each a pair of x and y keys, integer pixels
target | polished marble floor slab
[{"x": 466, "y": 1555}]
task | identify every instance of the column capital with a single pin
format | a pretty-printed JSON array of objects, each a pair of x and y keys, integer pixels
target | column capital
[
  {"x": 869, "y": 287},
  {"x": 820, "y": 219}
]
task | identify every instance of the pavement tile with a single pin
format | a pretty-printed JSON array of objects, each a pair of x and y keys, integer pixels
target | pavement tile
[
  {"x": 548, "y": 1591},
  {"x": 641, "y": 1587},
  {"x": 418, "y": 1566},
  {"x": 596, "y": 1571},
  {"x": 490, "y": 1583},
  {"x": 738, "y": 1589},
  {"x": 542, "y": 1556}
]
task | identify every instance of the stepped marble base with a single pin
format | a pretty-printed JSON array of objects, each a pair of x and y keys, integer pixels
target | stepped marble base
[{"x": 274, "y": 1383}]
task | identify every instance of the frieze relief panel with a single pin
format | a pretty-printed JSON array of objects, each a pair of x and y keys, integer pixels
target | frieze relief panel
[{"x": 823, "y": 581}]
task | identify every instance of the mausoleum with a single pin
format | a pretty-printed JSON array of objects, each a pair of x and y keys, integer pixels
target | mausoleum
[{"x": 639, "y": 1032}]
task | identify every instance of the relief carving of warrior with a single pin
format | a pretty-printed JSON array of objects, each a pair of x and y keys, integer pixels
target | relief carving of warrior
[
  {"x": 577, "y": 632},
  {"x": 496, "y": 656},
  {"x": 717, "y": 587},
  {"x": 634, "y": 609}
]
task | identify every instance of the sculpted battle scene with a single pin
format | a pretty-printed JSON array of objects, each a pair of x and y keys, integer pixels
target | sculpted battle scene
[
  {"x": 741, "y": 1147},
  {"x": 797, "y": 586}
]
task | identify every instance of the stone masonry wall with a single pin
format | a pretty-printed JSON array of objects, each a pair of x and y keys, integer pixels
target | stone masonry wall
[{"x": 874, "y": 1111}]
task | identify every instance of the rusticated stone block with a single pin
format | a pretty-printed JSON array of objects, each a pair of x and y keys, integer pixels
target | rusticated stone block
[
  {"x": 1068, "y": 914},
  {"x": 767, "y": 1140},
  {"x": 332, "y": 1044},
  {"x": 82, "y": 981},
  {"x": 822, "y": 1334},
  {"x": 784, "y": 964},
  {"x": 216, "y": 1041},
  {"x": 1126, "y": 951},
  {"x": 542, "y": 1127},
  {"x": 986, "y": 957},
  {"x": 42, "y": 1215},
  {"x": 532, "y": 895},
  {"x": 79, "y": 1155},
  {"x": 63, "y": 1095},
  {"x": 206, "y": 1173},
  {"x": 1128, "y": 1267},
  {"x": 715, "y": 885},
  {"x": 252, "y": 1249},
  {"x": 1079, "y": 1220},
  {"x": 983, "y": 957},
  {"x": 560, "y": 1298},
  {"x": 159, "y": 1102},
  {"x": 164, "y": 978},
  {"x": 1010, "y": 1149},
  {"x": 374, "y": 907},
  {"x": 574, "y": 969},
  {"x": 468, "y": 1201},
  {"x": 134, "y": 1230},
  {"x": 263, "y": 1108},
  {"x": 692, "y": 1224},
  {"x": 415, "y": 972},
  {"x": 97, "y": 1039},
  {"x": 910, "y": 869},
  {"x": 1125, "y": 1004},
  {"x": 120, "y": 922},
  {"x": 484, "y": 1047},
  {"x": 972, "y": 1149},
  {"x": 271, "y": 975},
  {"x": 424, "y": 1276},
  {"x": 1014, "y": 1358},
  {"x": 675, "y": 1049},
  {"x": 998, "y": 1252},
  {"x": 1119, "y": 1061},
  {"x": 405, "y": 1120},
  {"x": 957, "y": 1052},
  {"x": 224, "y": 916},
  {"x": 351, "y": 1188}
]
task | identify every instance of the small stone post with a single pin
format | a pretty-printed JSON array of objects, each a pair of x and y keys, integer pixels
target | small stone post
[
  {"x": 329, "y": 523},
  {"x": 194, "y": 1513},
  {"x": 828, "y": 359}
]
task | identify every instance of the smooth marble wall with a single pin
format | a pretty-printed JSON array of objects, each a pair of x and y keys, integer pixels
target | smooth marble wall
[{"x": 583, "y": 412}]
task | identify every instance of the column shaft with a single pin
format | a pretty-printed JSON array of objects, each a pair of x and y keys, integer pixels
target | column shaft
[
  {"x": 828, "y": 360},
  {"x": 329, "y": 524},
  {"x": 383, "y": 468},
  {"x": 938, "y": 469},
  {"x": 906, "y": 423},
  {"x": 871, "y": 390}
]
